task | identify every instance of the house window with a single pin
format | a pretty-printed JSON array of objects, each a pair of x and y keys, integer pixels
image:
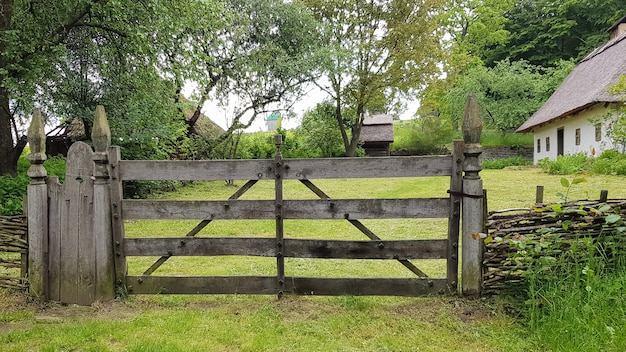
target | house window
[
  {"x": 578, "y": 136},
  {"x": 598, "y": 132},
  {"x": 547, "y": 144},
  {"x": 538, "y": 145}
]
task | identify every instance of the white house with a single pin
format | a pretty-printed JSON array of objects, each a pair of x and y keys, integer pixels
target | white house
[{"x": 573, "y": 120}]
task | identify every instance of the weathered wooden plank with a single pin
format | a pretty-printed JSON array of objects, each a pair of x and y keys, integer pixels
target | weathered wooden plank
[
  {"x": 366, "y": 286},
  {"x": 117, "y": 219},
  {"x": 104, "y": 266},
  {"x": 38, "y": 239},
  {"x": 202, "y": 285},
  {"x": 55, "y": 226},
  {"x": 405, "y": 166},
  {"x": 395, "y": 166},
  {"x": 298, "y": 248},
  {"x": 77, "y": 248},
  {"x": 292, "y": 209},
  {"x": 295, "y": 285},
  {"x": 454, "y": 214},
  {"x": 196, "y": 170},
  {"x": 86, "y": 263}
]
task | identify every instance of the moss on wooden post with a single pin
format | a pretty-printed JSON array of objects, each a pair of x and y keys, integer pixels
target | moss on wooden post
[
  {"x": 102, "y": 225},
  {"x": 473, "y": 222},
  {"x": 37, "y": 209}
]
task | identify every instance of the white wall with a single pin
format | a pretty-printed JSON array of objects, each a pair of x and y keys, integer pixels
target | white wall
[{"x": 588, "y": 143}]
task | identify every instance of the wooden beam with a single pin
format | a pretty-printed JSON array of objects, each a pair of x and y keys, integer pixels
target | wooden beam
[
  {"x": 295, "y": 248},
  {"x": 295, "y": 285},
  {"x": 292, "y": 209},
  {"x": 196, "y": 170},
  {"x": 405, "y": 166}
]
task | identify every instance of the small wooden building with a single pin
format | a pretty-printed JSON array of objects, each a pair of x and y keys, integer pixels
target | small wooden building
[{"x": 377, "y": 134}]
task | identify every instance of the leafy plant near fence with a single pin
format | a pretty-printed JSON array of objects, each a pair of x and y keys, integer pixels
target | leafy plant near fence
[
  {"x": 610, "y": 162},
  {"x": 498, "y": 164},
  {"x": 13, "y": 189},
  {"x": 565, "y": 263}
]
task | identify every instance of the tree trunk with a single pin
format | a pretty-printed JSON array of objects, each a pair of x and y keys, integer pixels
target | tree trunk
[
  {"x": 8, "y": 166},
  {"x": 8, "y": 162},
  {"x": 356, "y": 131}
]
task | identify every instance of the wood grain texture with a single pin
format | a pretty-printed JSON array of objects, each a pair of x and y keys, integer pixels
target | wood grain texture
[
  {"x": 294, "y": 285},
  {"x": 298, "y": 248},
  {"x": 405, "y": 166},
  {"x": 291, "y": 209}
]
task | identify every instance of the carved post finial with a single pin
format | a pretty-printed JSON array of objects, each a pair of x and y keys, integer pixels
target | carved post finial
[
  {"x": 472, "y": 123},
  {"x": 37, "y": 144},
  {"x": 101, "y": 133}
]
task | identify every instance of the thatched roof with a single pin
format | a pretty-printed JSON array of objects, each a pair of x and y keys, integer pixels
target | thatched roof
[
  {"x": 586, "y": 85},
  {"x": 204, "y": 126},
  {"x": 377, "y": 128}
]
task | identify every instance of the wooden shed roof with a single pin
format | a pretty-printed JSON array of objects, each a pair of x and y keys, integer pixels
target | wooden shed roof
[
  {"x": 377, "y": 128},
  {"x": 586, "y": 85}
]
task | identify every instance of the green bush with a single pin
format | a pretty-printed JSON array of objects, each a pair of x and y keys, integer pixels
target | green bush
[
  {"x": 498, "y": 164},
  {"x": 424, "y": 136},
  {"x": 579, "y": 302},
  {"x": 610, "y": 162},
  {"x": 565, "y": 164},
  {"x": 13, "y": 189}
]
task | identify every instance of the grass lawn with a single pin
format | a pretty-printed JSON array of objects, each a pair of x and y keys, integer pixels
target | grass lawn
[{"x": 264, "y": 323}]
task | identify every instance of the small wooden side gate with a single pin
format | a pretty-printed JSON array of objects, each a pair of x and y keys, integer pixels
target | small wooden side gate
[{"x": 78, "y": 251}]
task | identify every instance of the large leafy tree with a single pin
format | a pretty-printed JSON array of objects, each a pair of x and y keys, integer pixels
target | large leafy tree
[
  {"x": 546, "y": 31},
  {"x": 473, "y": 27},
  {"x": 67, "y": 55},
  {"x": 135, "y": 57},
  {"x": 380, "y": 51},
  {"x": 261, "y": 57},
  {"x": 509, "y": 92}
]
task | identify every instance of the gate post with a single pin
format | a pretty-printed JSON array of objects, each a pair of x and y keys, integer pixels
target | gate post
[
  {"x": 37, "y": 210},
  {"x": 102, "y": 225},
  {"x": 473, "y": 221}
]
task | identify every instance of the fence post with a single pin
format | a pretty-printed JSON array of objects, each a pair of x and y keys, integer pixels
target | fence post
[
  {"x": 102, "y": 225},
  {"x": 37, "y": 209},
  {"x": 278, "y": 187},
  {"x": 473, "y": 222}
]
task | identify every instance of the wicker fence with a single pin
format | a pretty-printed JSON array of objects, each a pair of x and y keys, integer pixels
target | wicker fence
[
  {"x": 517, "y": 237},
  {"x": 13, "y": 251}
]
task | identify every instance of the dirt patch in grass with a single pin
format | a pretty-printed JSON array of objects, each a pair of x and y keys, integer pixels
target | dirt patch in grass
[{"x": 109, "y": 311}]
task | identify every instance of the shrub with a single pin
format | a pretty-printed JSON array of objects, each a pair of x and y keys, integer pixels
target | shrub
[
  {"x": 428, "y": 135},
  {"x": 610, "y": 162},
  {"x": 13, "y": 189},
  {"x": 565, "y": 164},
  {"x": 498, "y": 164}
]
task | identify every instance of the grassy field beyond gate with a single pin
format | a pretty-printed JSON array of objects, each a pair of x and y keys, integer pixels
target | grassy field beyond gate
[{"x": 263, "y": 323}]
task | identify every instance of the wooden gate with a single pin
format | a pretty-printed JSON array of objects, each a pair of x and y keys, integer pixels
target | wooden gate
[{"x": 99, "y": 230}]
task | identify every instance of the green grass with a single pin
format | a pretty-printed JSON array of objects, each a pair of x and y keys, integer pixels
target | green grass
[{"x": 264, "y": 323}]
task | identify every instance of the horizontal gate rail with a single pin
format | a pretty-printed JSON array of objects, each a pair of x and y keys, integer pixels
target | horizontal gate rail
[
  {"x": 292, "y": 209},
  {"x": 298, "y": 248},
  {"x": 295, "y": 169},
  {"x": 295, "y": 285}
]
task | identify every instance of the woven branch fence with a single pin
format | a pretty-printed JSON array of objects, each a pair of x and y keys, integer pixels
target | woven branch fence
[
  {"x": 517, "y": 237},
  {"x": 13, "y": 251}
]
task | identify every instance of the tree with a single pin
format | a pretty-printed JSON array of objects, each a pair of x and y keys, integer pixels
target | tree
[
  {"x": 473, "y": 27},
  {"x": 509, "y": 93},
  {"x": 68, "y": 51},
  {"x": 380, "y": 51},
  {"x": 264, "y": 54},
  {"x": 319, "y": 130},
  {"x": 135, "y": 56},
  {"x": 543, "y": 32}
]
